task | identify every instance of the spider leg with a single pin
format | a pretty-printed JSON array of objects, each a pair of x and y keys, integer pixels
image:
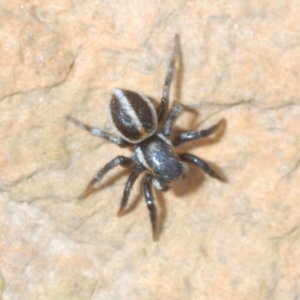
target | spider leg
[
  {"x": 119, "y": 160},
  {"x": 190, "y": 158},
  {"x": 98, "y": 132},
  {"x": 164, "y": 104},
  {"x": 129, "y": 184},
  {"x": 194, "y": 135},
  {"x": 147, "y": 187},
  {"x": 169, "y": 124}
]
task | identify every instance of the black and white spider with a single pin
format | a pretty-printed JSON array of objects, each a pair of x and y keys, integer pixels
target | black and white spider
[{"x": 148, "y": 132}]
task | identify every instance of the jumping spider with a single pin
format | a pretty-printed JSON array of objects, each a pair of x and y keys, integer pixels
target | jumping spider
[{"x": 136, "y": 121}]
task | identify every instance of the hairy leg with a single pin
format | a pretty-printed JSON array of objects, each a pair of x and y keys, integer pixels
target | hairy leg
[
  {"x": 164, "y": 104},
  {"x": 147, "y": 187},
  {"x": 170, "y": 122},
  {"x": 98, "y": 132},
  {"x": 194, "y": 135},
  {"x": 119, "y": 160},
  {"x": 190, "y": 158},
  {"x": 129, "y": 184}
]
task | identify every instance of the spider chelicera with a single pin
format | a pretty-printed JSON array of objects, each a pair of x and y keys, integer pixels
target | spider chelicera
[{"x": 148, "y": 132}]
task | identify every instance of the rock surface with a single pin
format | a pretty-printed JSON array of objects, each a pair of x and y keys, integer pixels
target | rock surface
[{"x": 239, "y": 61}]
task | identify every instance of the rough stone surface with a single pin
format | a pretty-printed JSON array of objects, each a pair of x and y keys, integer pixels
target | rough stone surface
[{"x": 239, "y": 60}]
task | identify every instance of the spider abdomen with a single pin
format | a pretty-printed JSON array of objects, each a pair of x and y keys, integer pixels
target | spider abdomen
[{"x": 132, "y": 115}]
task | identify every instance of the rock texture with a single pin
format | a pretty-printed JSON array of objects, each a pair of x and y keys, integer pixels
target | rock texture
[{"x": 239, "y": 61}]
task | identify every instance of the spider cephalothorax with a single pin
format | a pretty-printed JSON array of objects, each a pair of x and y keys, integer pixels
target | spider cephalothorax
[{"x": 136, "y": 123}]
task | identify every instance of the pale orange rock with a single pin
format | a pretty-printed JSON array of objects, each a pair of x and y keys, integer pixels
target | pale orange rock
[{"x": 239, "y": 61}]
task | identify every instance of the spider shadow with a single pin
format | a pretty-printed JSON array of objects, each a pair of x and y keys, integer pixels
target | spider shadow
[
  {"x": 194, "y": 180},
  {"x": 179, "y": 72}
]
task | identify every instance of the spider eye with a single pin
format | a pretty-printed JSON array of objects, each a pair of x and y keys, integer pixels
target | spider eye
[{"x": 133, "y": 115}]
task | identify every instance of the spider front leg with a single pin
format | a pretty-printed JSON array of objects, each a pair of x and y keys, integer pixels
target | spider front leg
[
  {"x": 190, "y": 158},
  {"x": 98, "y": 132},
  {"x": 129, "y": 184},
  {"x": 123, "y": 161},
  {"x": 147, "y": 187},
  {"x": 194, "y": 135},
  {"x": 164, "y": 104}
]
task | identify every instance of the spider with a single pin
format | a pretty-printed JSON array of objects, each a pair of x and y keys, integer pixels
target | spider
[{"x": 148, "y": 132}]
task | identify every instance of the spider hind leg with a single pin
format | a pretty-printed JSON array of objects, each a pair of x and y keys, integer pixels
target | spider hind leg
[{"x": 164, "y": 104}]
